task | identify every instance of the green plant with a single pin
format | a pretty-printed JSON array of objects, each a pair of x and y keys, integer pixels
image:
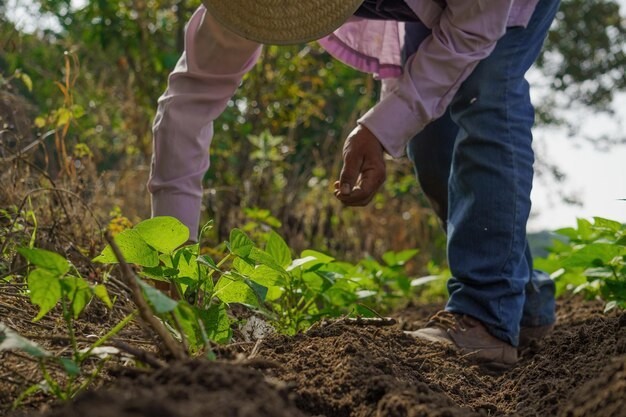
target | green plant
[
  {"x": 291, "y": 293},
  {"x": 591, "y": 260},
  {"x": 53, "y": 280},
  {"x": 298, "y": 292},
  {"x": 390, "y": 278},
  {"x": 432, "y": 287},
  {"x": 155, "y": 246}
]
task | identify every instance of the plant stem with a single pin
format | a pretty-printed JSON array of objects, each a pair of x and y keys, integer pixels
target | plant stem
[
  {"x": 306, "y": 306},
  {"x": 224, "y": 259},
  {"x": 205, "y": 337},
  {"x": 183, "y": 337},
  {"x": 67, "y": 315},
  {"x": 54, "y": 387},
  {"x": 73, "y": 391}
]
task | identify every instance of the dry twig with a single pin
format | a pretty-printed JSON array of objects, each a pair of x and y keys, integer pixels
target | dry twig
[
  {"x": 27, "y": 148},
  {"x": 370, "y": 321},
  {"x": 139, "y": 354}
]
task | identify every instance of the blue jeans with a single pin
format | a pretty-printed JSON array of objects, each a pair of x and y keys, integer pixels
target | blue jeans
[{"x": 475, "y": 164}]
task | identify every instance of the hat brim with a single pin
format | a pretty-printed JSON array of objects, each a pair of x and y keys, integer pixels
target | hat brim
[{"x": 282, "y": 21}]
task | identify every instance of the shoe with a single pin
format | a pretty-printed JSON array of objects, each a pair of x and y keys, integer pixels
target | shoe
[
  {"x": 528, "y": 335},
  {"x": 470, "y": 337}
]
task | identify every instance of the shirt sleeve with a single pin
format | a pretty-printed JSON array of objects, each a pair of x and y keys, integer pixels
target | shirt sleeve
[{"x": 466, "y": 33}]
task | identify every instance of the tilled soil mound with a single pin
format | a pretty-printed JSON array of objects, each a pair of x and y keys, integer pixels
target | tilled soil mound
[
  {"x": 602, "y": 396},
  {"x": 338, "y": 369},
  {"x": 190, "y": 389}
]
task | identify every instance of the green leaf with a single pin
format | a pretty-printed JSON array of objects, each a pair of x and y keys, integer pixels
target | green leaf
[
  {"x": 63, "y": 116},
  {"x": 101, "y": 292},
  {"x": 590, "y": 254},
  {"x": 164, "y": 233},
  {"x": 28, "y": 82},
  {"x": 305, "y": 263},
  {"x": 207, "y": 261},
  {"x": 45, "y": 290},
  {"x": 259, "y": 290},
  {"x": 321, "y": 257},
  {"x": 610, "y": 306},
  {"x": 156, "y": 273},
  {"x": 186, "y": 253},
  {"x": 50, "y": 261},
  {"x": 230, "y": 289},
  {"x": 188, "y": 266},
  {"x": 329, "y": 276},
  {"x": 71, "y": 368},
  {"x": 240, "y": 244},
  {"x": 40, "y": 122},
  {"x": 606, "y": 224},
  {"x": 243, "y": 267},
  {"x": 372, "y": 266},
  {"x": 315, "y": 282},
  {"x": 78, "y": 293},
  {"x": 270, "y": 279},
  {"x": 310, "y": 259},
  {"x": 263, "y": 258},
  {"x": 11, "y": 340},
  {"x": 133, "y": 247},
  {"x": 189, "y": 321},
  {"x": 267, "y": 276},
  {"x": 404, "y": 283},
  {"x": 560, "y": 247},
  {"x": 547, "y": 264},
  {"x": 160, "y": 302},
  {"x": 399, "y": 258},
  {"x": 216, "y": 323},
  {"x": 585, "y": 229},
  {"x": 600, "y": 272},
  {"x": 363, "y": 294},
  {"x": 341, "y": 297},
  {"x": 568, "y": 232},
  {"x": 617, "y": 289},
  {"x": 78, "y": 111},
  {"x": 278, "y": 249},
  {"x": 418, "y": 282},
  {"x": 364, "y": 311}
]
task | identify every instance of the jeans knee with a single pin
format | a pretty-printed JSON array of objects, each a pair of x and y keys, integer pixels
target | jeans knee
[{"x": 431, "y": 154}]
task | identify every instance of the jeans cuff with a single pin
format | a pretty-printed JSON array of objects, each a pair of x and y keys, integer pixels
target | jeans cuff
[{"x": 537, "y": 321}]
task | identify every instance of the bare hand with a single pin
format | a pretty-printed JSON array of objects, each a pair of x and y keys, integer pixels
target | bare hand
[{"x": 363, "y": 169}]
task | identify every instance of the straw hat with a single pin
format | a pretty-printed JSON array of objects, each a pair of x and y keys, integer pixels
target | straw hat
[{"x": 282, "y": 21}]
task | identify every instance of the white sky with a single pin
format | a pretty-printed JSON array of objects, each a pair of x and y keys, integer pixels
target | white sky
[{"x": 597, "y": 179}]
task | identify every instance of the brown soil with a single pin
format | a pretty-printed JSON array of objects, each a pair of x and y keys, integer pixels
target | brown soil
[
  {"x": 344, "y": 370},
  {"x": 191, "y": 389}
]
